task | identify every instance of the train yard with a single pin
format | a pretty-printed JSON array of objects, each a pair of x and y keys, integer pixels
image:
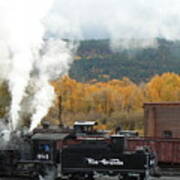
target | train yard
[{"x": 80, "y": 152}]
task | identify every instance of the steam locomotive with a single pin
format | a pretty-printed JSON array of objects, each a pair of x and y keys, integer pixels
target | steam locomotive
[{"x": 78, "y": 153}]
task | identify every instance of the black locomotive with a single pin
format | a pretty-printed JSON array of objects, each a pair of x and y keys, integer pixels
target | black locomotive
[{"x": 78, "y": 153}]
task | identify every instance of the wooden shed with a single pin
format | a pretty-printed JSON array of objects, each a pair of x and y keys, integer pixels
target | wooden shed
[{"x": 162, "y": 119}]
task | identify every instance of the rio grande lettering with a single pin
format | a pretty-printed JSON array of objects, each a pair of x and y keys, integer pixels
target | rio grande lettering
[{"x": 105, "y": 162}]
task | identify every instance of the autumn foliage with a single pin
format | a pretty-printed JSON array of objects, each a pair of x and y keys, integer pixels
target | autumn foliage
[{"x": 113, "y": 103}]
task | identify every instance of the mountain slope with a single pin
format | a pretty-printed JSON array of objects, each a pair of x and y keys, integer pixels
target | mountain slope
[{"x": 96, "y": 61}]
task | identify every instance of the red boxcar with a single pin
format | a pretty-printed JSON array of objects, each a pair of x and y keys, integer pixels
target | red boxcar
[
  {"x": 161, "y": 119},
  {"x": 167, "y": 150}
]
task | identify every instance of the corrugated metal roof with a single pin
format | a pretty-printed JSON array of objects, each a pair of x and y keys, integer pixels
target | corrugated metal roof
[
  {"x": 49, "y": 136},
  {"x": 85, "y": 123}
]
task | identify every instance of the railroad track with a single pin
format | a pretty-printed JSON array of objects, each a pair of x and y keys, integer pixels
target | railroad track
[
  {"x": 170, "y": 172},
  {"x": 114, "y": 178}
]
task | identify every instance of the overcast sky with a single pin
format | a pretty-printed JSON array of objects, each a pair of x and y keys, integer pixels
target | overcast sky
[{"x": 115, "y": 18}]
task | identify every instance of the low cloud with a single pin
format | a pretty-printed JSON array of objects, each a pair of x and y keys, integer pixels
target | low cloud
[{"x": 137, "y": 21}]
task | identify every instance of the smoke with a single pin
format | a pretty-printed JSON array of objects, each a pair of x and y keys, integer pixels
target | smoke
[
  {"x": 27, "y": 56},
  {"x": 4, "y": 134},
  {"x": 50, "y": 174},
  {"x": 32, "y": 52},
  {"x": 129, "y": 24},
  {"x": 54, "y": 62}
]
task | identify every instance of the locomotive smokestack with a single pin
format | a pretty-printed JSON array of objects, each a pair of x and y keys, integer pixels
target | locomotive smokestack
[{"x": 46, "y": 124}]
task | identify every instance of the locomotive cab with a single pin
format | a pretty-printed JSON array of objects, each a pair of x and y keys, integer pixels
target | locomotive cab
[
  {"x": 84, "y": 127},
  {"x": 47, "y": 146}
]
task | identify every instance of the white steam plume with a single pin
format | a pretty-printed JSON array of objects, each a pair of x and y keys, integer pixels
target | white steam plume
[
  {"x": 4, "y": 134},
  {"x": 42, "y": 100},
  {"x": 24, "y": 50},
  {"x": 53, "y": 63}
]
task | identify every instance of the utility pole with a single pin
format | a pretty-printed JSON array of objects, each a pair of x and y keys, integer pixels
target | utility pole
[{"x": 60, "y": 111}]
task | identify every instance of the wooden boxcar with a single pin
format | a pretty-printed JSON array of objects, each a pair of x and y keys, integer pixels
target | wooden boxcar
[
  {"x": 161, "y": 131},
  {"x": 167, "y": 150},
  {"x": 162, "y": 120}
]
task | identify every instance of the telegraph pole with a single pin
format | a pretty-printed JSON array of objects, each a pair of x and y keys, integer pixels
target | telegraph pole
[{"x": 60, "y": 110}]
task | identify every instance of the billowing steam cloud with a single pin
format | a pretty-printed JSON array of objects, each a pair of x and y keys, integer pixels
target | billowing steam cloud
[
  {"x": 128, "y": 23},
  {"x": 25, "y": 57},
  {"x": 53, "y": 63},
  {"x": 32, "y": 54}
]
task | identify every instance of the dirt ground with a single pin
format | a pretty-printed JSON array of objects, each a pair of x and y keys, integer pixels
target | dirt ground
[
  {"x": 168, "y": 178},
  {"x": 152, "y": 178}
]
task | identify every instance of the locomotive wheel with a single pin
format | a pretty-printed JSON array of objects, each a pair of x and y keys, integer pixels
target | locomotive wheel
[
  {"x": 82, "y": 177},
  {"x": 76, "y": 177},
  {"x": 144, "y": 177},
  {"x": 125, "y": 177},
  {"x": 89, "y": 177}
]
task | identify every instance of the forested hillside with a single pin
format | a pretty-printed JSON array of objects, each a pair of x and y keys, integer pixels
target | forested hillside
[{"x": 95, "y": 61}]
